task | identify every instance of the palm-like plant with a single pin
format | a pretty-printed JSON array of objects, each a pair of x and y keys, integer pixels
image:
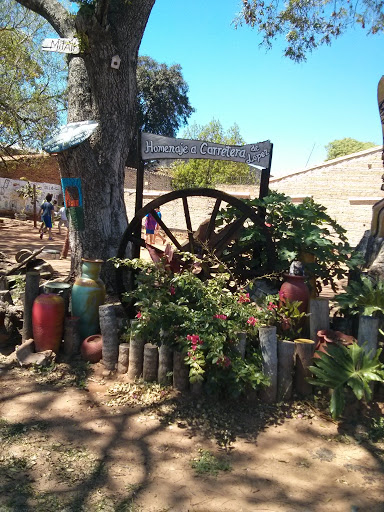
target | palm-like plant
[
  {"x": 343, "y": 367},
  {"x": 364, "y": 297}
]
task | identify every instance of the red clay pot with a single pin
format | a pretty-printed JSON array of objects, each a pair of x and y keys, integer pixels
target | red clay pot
[
  {"x": 92, "y": 348},
  {"x": 294, "y": 288},
  {"x": 48, "y": 313}
]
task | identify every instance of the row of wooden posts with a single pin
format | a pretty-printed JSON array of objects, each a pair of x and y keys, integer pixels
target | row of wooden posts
[{"x": 286, "y": 363}]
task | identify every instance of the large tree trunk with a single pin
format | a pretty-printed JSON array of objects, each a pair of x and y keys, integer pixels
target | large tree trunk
[{"x": 96, "y": 91}]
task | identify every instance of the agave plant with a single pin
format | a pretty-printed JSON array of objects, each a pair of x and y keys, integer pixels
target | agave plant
[
  {"x": 343, "y": 367},
  {"x": 364, "y": 297}
]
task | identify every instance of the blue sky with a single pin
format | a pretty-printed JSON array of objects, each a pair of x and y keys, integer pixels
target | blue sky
[{"x": 298, "y": 107}]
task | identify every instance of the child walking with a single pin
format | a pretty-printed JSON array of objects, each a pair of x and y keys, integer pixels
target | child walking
[{"x": 46, "y": 212}]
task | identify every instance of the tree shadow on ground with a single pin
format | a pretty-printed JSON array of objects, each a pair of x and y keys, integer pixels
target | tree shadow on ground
[{"x": 68, "y": 450}]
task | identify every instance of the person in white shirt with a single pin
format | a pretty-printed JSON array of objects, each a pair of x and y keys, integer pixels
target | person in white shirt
[{"x": 63, "y": 221}]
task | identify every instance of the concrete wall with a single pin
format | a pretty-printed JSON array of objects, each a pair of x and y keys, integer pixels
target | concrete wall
[
  {"x": 10, "y": 202},
  {"x": 347, "y": 186}
]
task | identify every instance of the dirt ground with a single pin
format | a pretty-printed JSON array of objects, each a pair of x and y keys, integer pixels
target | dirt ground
[{"x": 73, "y": 441}]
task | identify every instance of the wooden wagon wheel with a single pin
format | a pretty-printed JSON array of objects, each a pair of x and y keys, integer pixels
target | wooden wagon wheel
[{"x": 209, "y": 236}]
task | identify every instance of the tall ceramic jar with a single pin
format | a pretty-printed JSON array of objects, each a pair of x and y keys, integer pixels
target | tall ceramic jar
[
  {"x": 294, "y": 288},
  {"x": 88, "y": 293},
  {"x": 48, "y": 312}
]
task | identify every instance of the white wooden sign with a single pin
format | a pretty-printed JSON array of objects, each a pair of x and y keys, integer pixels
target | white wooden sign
[{"x": 61, "y": 45}]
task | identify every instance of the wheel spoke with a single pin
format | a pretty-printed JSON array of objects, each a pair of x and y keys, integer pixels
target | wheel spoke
[
  {"x": 166, "y": 230},
  {"x": 211, "y": 225},
  {"x": 189, "y": 224},
  {"x": 228, "y": 233}
]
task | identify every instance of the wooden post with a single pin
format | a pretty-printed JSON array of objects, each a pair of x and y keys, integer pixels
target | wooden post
[
  {"x": 264, "y": 180},
  {"x": 32, "y": 280},
  {"x": 180, "y": 372},
  {"x": 319, "y": 316},
  {"x": 34, "y": 207},
  {"x": 285, "y": 369},
  {"x": 72, "y": 339},
  {"x": 122, "y": 362},
  {"x": 150, "y": 363},
  {"x": 368, "y": 333},
  {"x": 165, "y": 365},
  {"x": 305, "y": 349},
  {"x": 241, "y": 343},
  {"x": 108, "y": 328},
  {"x": 268, "y": 344},
  {"x": 139, "y": 194},
  {"x": 136, "y": 356}
]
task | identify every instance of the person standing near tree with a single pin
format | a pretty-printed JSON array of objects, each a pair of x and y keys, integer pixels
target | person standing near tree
[
  {"x": 63, "y": 221},
  {"x": 47, "y": 212}
]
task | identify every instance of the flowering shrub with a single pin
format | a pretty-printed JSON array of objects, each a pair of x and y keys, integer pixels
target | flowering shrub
[
  {"x": 279, "y": 311},
  {"x": 200, "y": 318}
]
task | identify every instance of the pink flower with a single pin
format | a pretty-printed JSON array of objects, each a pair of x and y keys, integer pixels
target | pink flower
[
  {"x": 252, "y": 320},
  {"x": 194, "y": 347},
  {"x": 222, "y": 317},
  {"x": 244, "y": 298},
  {"x": 194, "y": 339},
  {"x": 139, "y": 315},
  {"x": 172, "y": 290},
  {"x": 268, "y": 225}
]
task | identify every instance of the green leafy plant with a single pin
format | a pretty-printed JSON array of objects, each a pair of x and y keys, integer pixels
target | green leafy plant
[
  {"x": 207, "y": 464},
  {"x": 295, "y": 229},
  {"x": 342, "y": 369},
  {"x": 364, "y": 297},
  {"x": 376, "y": 431}
]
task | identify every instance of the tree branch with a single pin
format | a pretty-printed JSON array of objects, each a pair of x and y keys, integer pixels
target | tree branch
[{"x": 54, "y": 13}]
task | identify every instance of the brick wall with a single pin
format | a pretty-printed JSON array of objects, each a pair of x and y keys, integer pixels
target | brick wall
[
  {"x": 347, "y": 186},
  {"x": 38, "y": 168}
]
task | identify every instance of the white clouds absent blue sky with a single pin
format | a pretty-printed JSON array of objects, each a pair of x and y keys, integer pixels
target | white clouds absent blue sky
[{"x": 298, "y": 107}]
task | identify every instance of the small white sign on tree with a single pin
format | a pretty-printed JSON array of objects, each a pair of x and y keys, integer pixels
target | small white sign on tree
[{"x": 61, "y": 45}]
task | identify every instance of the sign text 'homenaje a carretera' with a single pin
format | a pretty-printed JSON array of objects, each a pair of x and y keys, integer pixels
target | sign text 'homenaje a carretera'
[{"x": 155, "y": 147}]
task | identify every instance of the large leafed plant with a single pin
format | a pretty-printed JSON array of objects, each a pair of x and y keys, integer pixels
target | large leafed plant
[
  {"x": 296, "y": 229},
  {"x": 342, "y": 369}
]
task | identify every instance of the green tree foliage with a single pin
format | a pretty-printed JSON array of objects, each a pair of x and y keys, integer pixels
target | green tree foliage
[
  {"x": 346, "y": 146},
  {"x": 162, "y": 96},
  {"x": 29, "y": 88},
  {"x": 208, "y": 173},
  {"x": 307, "y": 24}
]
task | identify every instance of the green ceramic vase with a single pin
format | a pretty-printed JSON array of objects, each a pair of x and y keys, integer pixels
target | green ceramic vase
[{"x": 88, "y": 293}]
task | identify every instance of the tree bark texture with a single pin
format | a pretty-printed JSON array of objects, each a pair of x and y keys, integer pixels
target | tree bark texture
[{"x": 98, "y": 92}]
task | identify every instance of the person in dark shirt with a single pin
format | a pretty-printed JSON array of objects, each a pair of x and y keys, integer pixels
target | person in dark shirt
[{"x": 47, "y": 212}]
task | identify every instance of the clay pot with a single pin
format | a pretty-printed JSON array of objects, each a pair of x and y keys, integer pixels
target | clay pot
[
  {"x": 295, "y": 289},
  {"x": 326, "y": 336},
  {"x": 92, "y": 348},
  {"x": 48, "y": 312}
]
